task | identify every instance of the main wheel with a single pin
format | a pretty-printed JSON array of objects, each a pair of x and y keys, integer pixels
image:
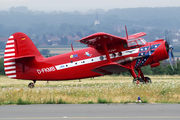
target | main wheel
[
  {"x": 31, "y": 85},
  {"x": 138, "y": 80},
  {"x": 148, "y": 80}
]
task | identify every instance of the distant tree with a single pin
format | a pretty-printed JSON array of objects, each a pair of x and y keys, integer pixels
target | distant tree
[
  {"x": 159, "y": 70},
  {"x": 45, "y": 51},
  {"x": 2, "y": 67},
  {"x": 147, "y": 70},
  {"x": 2, "y": 45},
  {"x": 64, "y": 40},
  {"x": 91, "y": 32},
  {"x": 79, "y": 33}
]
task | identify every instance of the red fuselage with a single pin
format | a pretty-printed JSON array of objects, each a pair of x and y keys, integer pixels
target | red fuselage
[
  {"x": 107, "y": 54},
  {"x": 79, "y": 64}
]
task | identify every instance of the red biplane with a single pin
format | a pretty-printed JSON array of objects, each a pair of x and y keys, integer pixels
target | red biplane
[{"x": 106, "y": 54}]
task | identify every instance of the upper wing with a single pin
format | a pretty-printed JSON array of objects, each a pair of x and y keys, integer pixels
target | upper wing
[
  {"x": 98, "y": 39},
  {"x": 137, "y": 35}
]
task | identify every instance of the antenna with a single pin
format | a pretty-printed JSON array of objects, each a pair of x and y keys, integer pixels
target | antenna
[{"x": 126, "y": 32}]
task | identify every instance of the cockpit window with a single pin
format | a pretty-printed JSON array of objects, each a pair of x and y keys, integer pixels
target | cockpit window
[
  {"x": 132, "y": 43},
  {"x": 140, "y": 42},
  {"x": 136, "y": 42}
]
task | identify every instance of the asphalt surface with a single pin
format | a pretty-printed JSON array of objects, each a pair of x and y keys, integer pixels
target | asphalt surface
[{"x": 90, "y": 111}]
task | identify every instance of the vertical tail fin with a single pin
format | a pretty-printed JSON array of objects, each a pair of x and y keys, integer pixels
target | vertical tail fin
[{"x": 19, "y": 46}]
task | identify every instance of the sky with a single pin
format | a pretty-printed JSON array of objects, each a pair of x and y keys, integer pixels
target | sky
[{"x": 85, "y": 5}]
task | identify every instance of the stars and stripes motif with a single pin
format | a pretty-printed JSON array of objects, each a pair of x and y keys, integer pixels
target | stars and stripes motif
[
  {"x": 155, "y": 46},
  {"x": 147, "y": 51},
  {"x": 144, "y": 48},
  {"x": 9, "y": 55}
]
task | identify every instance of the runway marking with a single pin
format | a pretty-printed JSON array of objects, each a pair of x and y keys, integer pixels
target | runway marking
[{"x": 90, "y": 117}]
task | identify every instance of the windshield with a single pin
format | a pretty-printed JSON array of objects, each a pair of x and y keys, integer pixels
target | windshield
[{"x": 136, "y": 42}]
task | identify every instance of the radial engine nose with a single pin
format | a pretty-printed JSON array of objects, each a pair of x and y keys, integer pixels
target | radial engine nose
[{"x": 161, "y": 53}]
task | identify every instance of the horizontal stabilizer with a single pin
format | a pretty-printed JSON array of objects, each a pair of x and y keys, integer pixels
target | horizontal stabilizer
[
  {"x": 110, "y": 68},
  {"x": 18, "y": 58}
]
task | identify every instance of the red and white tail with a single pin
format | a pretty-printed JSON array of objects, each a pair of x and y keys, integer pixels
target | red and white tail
[
  {"x": 19, "y": 46},
  {"x": 9, "y": 55}
]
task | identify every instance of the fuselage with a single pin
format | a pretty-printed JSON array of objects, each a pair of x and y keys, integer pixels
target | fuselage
[{"x": 79, "y": 64}]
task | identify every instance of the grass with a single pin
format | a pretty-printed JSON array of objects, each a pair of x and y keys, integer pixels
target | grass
[
  {"x": 22, "y": 102},
  {"x": 103, "y": 100},
  {"x": 103, "y": 90}
]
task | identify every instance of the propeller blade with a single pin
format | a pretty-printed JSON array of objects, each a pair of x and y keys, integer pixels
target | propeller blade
[
  {"x": 170, "y": 59},
  {"x": 172, "y": 55},
  {"x": 169, "y": 47},
  {"x": 167, "y": 37}
]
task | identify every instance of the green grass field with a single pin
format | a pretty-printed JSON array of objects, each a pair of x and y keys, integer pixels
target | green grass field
[{"x": 107, "y": 89}]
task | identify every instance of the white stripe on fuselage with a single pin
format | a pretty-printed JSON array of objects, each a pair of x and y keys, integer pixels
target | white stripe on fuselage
[{"x": 94, "y": 59}]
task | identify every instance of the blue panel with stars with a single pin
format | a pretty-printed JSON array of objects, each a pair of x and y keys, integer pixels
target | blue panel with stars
[
  {"x": 145, "y": 51},
  {"x": 137, "y": 62},
  {"x": 141, "y": 54},
  {"x": 144, "y": 48},
  {"x": 155, "y": 46},
  {"x": 142, "y": 62}
]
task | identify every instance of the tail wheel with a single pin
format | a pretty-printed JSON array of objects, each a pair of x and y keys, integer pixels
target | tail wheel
[
  {"x": 31, "y": 85},
  {"x": 147, "y": 80},
  {"x": 138, "y": 80}
]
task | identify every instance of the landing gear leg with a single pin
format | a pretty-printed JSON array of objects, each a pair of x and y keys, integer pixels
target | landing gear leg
[{"x": 31, "y": 85}]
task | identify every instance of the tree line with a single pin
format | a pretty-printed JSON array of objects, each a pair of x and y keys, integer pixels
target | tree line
[{"x": 37, "y": 24}]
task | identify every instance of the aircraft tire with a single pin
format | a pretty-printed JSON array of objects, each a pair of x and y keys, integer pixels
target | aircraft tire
[
  {"x": 138, "y": 80},
  {"x": 31, "y": 85},
  {"x": 148, "y": 80}
]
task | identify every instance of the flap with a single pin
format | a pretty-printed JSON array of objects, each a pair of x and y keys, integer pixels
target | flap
[
  {"x": 110, "y": 68},
  {"x": 98, "y": 39}
]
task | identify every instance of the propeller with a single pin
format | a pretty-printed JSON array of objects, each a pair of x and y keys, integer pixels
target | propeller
[{"x": 169, "y": 49}]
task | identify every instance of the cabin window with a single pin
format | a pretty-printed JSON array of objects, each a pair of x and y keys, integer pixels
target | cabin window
[
  {"x": 114, "y": 55},
  {"x": 140, "y": 42},
  {"x": 133, "y": 43},
  {"x": 120, "y": 53},
  {"x": 101, "y": 58}
]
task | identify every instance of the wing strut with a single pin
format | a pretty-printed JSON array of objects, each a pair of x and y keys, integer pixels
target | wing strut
[{"x": 106, "y": 52}]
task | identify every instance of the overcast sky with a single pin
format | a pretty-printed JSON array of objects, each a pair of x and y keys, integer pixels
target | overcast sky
[{"x": 84, "y": 5}]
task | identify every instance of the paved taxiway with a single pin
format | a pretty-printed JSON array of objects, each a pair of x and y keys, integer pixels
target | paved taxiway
[{"x": 90, "y": 111}]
